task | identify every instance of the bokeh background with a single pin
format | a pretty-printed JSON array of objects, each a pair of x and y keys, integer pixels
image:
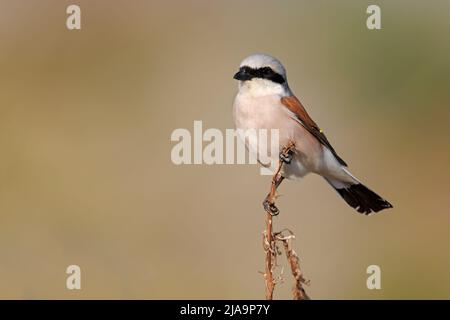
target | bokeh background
[{"x": 85, "y": 170}]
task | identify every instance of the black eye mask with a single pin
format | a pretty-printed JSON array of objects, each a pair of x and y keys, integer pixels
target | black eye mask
[{"x": 246, "y": 73}]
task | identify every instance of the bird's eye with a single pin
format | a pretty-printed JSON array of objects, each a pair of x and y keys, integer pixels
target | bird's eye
[{"x": 267, "y": 70}]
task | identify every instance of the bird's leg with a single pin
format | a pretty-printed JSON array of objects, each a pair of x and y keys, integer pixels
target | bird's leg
[
  {"x": 269, "y": 201},
  {"x": 287, "y": 153}
]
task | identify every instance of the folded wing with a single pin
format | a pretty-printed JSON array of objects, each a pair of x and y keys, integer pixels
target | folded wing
[{"x": 300, "y": 114}]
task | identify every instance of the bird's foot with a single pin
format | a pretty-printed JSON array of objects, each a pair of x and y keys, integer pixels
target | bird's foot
[
  {"x": 286, "y": 158},
  {"x": 287, "y": 153},
  {"x": 270, "y": 208}
]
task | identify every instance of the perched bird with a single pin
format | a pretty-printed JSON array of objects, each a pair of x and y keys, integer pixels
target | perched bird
[{"x": 265, "y": 101}]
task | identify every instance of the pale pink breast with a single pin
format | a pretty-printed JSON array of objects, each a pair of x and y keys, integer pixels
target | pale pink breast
[{"x": 267, "y": 112}]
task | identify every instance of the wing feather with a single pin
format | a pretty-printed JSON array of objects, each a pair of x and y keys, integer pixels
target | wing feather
[{"x": 296, "y": 107}]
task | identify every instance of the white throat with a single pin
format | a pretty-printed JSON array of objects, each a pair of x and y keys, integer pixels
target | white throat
[{"x": 262, "y": 87}]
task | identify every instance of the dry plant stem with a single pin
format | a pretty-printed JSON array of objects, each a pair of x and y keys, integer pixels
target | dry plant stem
[
  {"x": 269, "y": 241},
  {"x": 270, "y": 251},
  {"x": 297, "y": 290}
]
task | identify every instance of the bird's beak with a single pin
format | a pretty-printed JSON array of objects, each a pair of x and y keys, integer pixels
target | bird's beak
[{"x": 242, "y": 75}]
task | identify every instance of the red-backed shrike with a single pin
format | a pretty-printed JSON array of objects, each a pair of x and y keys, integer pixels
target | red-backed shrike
[{"x": 265, "y": 101}]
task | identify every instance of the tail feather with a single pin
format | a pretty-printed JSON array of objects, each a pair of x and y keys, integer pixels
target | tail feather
[{"x": 360, "y": 197}]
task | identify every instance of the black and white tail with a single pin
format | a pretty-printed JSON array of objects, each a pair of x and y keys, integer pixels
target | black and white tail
[{"x": 360, "y": 197}]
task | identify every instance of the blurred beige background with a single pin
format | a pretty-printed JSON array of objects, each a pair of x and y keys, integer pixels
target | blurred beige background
[{"x": 85, "y": 170}]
